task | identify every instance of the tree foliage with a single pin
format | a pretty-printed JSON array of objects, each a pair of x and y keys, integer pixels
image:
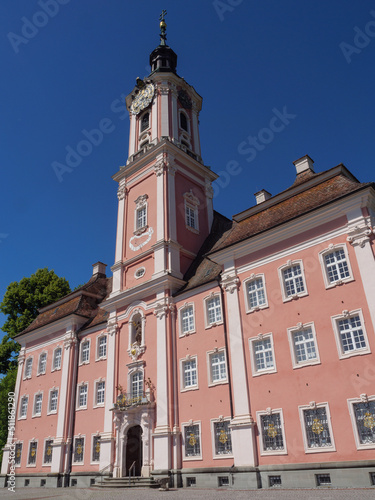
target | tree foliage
[{"x": 21, "y": 303}]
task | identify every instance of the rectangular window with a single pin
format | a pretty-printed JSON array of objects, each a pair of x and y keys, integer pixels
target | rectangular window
[
  {"x": 96, "y": 449},
  {"x": 57, "y": 359},
  {"x": 364, "y": 414},
  {"x": 213, "y": 306},
  {"x": 82, "y": 396},
  {"x": 192, "y": 441},
  {"x": 48, "y": 451},
  {"x": 28, "y": 367},
  {"x": 53, "y": 400},
  {"x": 323, "y": 479},
  {"x": 317, "y": 428},
  {"x": 100, "y": 390},
  {"x": 187, "y": 319},
  {"x": 190, "y": 217},
  {"x": 38, "y": 404},
  {"x": 137, "y": 384},
  {"x": 293, "y": 280},
  {"x": 336, "y": 265},
  {"x": 190, "y": 373},
  {"x": 303, "y": 345},
  {"x": 102, "y": 349},
  {"x": 85, "y": 351},
  {"x": 351, "y": 334},
  {"x": 141, "y": 217},
  {"x": 223, "y": 438},
  {"x": 218, "y": 367},
  {"x": 33, "y": 447},
  {"x": 24, "y": 404},
  {"x": 18, "y": 454},
  {"x": 256, "y": 295},
  {"x": 79, "y": 444},
  {"x": 274, "y": 481},
  {"x": 42, "y": 363},
  {"x": 263, "y": 354},
  {"x": 271, "y": 432}
]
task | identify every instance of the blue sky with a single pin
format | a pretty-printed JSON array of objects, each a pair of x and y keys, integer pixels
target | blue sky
[{"x": 66, "y": 67}]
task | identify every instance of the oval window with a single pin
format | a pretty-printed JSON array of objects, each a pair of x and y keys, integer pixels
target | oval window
[{"x": 140, "y": 272}]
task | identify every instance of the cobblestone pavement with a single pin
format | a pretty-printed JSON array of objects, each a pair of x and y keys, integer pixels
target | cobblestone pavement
[{"x": 187, "y": 493}]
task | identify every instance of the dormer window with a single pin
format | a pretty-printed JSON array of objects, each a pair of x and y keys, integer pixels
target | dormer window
[{"x": 145, "y": 122}]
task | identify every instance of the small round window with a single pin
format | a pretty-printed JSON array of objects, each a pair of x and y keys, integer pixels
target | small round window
[{"x": 140, "y": 272}]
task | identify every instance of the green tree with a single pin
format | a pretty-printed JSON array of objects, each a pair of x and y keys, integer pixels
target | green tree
[{"x": 20, "y": 304}]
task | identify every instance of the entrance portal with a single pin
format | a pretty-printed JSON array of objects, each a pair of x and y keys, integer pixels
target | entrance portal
[{"x": 134, "y": 449}]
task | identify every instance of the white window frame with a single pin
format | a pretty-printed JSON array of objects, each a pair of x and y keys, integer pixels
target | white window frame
[
  {"x": 20, "y": 416},
  {"x": 79, "y": 436},
  {"x": 27, "y": 363},
  {"x": 142, "y": 379},
  {"x": 331, "y": 249},
  {"x": 259, "y": 415},
  {"x": 53, "y": 367},
  {"x": 189, "y": 424},
  {"x": 210, "y": 354},
  {"x": 300, "y": 327},
  {"x": 284, "y": 267},
  {"x": 246, "y": 282},
  {"x": 354, "y": 352},
  {"x": 259, "y": 338},
  {"x": 82, "y": 384},
  {"x": 98, "y": 339},
  {"x": 136, "y": 366},
  {"x": 191, "y": 202},
  {"x": 182, "y": 373},
  {"x": 93, "y": 436},
  {"x": 206, "y": 315},
  {"x": 213, "y": 439},
  {"x": 84, "y": 341},
  {"x": 44, "y": 353},
  {"x": 46, "y": 464},
  {"x": 49, "y": 411},
  {"x": 311, "y": 406},
  {"x": 351, "y": 402},
  {"x": 36, "y": 395},
  {"x": 15, "y": 450},
  {"x": 96, "y": 387},
  {"x": 28, "y": 453},
  {"x": 140, "y": 204},
  {"x": 187, "y": 305}
]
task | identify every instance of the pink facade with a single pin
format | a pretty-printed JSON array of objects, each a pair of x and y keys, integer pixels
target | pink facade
[{"x": 221, "y": 352}]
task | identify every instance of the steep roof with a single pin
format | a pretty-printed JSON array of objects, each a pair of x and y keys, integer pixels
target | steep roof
[
  {"x": 82, "y": 302},
  {"x": 309, "y": 192}
]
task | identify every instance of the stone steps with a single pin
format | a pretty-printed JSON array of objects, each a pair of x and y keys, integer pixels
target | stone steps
[{"x": 123, "y": 482}]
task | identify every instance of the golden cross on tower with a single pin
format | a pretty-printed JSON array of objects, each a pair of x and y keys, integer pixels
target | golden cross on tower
[{"x": 163, "y": 27}]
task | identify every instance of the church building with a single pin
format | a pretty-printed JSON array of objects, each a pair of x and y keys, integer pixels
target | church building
[{"x": 235, "y": 353}]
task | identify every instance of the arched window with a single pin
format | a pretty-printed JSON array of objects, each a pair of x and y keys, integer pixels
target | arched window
[
  {"x": 184, "y": 122},
  {"x": 145, "y": 121}
]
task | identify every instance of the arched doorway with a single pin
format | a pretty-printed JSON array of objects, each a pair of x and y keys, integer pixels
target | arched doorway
[{"x": 133, "y": 451}]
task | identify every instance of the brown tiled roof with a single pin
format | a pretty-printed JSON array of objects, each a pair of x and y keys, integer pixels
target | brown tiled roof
[
  {"x": 81, "y": 302},
  {"x": 301, "y": 203}
]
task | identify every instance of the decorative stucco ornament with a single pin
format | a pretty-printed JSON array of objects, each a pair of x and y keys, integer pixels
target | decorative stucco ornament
[{"x": 144, "y": 237}]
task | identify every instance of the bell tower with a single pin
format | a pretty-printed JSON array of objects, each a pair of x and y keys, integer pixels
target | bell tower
[{"x": 165, "y": 195}]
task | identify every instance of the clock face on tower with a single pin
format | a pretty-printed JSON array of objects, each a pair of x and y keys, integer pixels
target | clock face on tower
[{"x": 142, "y": 99}]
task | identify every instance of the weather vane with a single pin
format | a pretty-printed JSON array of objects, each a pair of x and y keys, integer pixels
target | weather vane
[{"x": 163, "y": 27}]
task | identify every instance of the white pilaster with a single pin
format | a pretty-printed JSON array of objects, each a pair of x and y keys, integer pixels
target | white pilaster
[
  {"x": 359, "y": 236},
  {"x": 174, "y": 113},
  {"x": 132, "y": 134},
  {"x": 164, "y": 109},
  {"x": 162, "y": 431},
  {"x": 59, "y": 444},
  {"x": 242, "y": 424},
  {"x": 197, "y": 145},
  {"x": 154, "y": 120},
  {"x": 107, "y": 437}
]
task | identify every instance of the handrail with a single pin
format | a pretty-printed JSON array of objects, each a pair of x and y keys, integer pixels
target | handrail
[
  {"x": 132, "y": 468},
  {"x": 100, "y": 472}
]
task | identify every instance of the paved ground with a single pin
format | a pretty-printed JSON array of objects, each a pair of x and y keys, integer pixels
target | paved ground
[{"x": 187, "y": 494}]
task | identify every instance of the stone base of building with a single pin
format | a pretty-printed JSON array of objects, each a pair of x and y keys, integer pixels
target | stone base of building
[{"x": 305, "y": 475}]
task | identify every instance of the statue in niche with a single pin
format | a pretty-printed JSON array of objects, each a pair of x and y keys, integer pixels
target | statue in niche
[{"x": 137, "y": 330}]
